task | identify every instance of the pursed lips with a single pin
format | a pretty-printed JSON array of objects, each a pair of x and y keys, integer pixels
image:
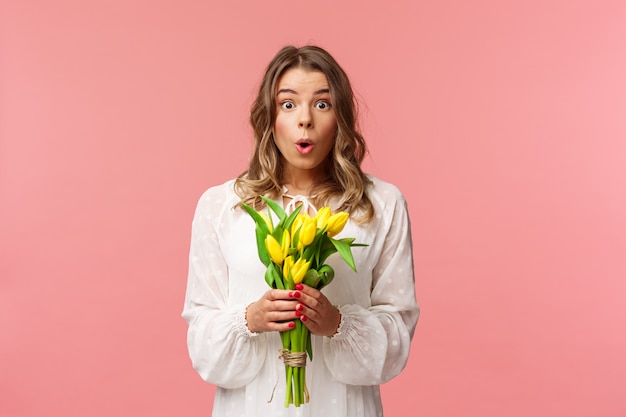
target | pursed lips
[{"x": 304, "y": 145}]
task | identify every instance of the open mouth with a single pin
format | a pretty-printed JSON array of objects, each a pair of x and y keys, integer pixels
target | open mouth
[
  {"x": 304, "y": 146},
  {"x": 303, "y": 143}
]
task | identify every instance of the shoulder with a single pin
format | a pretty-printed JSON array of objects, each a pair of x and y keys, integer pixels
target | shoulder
[
  {"x": 220, "y": 193},
  {"x": 383, "y": 192},
  {"x": 218, "y": 197},
  {"x": 390, "y": 206}
]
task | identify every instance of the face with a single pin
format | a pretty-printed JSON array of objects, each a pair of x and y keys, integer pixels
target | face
[{"x": 305, "y": 123}]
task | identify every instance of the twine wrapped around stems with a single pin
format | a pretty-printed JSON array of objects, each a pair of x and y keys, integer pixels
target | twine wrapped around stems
[{"x": 293, "y": 359}]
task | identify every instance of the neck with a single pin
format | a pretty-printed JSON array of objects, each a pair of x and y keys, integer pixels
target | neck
[{"x": 300, "y": 182}]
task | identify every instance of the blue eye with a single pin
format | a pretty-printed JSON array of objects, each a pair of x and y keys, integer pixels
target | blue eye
[
  {"x": 287, "y": 105},
  {"x": 322, "y": 105}
]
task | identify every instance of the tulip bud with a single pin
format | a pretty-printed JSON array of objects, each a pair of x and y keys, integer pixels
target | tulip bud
[
  {"x": 296, "y": 224},
  {"x": 287, "y": 267},
  {"x": 274, "y": 249},
  {"x": 307, "y": 232},
  {"x": 270, "y": 226},
  {"x": 322, "y": 217},
  {"x": 299, "y": 269},
  {"x": 336, "y": 222},
  {"x": 286, "y": 242}
]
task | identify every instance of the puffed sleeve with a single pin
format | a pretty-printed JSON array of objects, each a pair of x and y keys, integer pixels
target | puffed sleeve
[
  {"x": 372, "y": 344},
  {"x": 222, "y": 349}
]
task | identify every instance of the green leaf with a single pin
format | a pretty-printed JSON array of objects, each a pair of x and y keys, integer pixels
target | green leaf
[
  {"x": 278, "y": 233},
  {"x": 312, "y": 251},
  {"x": 325, "y": 254},
  {"x": 294, "y": 241},
  {"x": 278, "y": 277},
  {"x": 269, "y": 278},
  {"x": 309, "y": 347},
  {"x": 291, "y": 218},
  {"x": 260, "y": 221},
  {"x": 344, "y": 250},
  {"x": 350, "y": 241},
  {"x": 347, "y": 240},
  {"x": 276, "y": 208},
  {"x": 260, "y": 244},
  {"x": 327, "y": 273},
  {"x": 311, "y": 278}
]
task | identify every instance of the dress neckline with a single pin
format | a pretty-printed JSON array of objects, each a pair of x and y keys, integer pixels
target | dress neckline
[{"x": 304, "y": 200}]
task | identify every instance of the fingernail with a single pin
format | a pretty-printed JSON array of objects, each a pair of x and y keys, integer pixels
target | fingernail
[
  {"x": 299, "y": 307},
  {"x": 299, "y": 286},
  {"x": 298, "y": 314},
  {"x": 291, "y": 324},
  {"x": 291, "y": 293},
  {"x": 296, "y": 294},
  {"x": 303, "y": 318}
]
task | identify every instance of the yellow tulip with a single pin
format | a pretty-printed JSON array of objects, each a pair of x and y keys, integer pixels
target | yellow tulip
[
  {"x": 267, "y": 220},
  {"x": 307, "y": 232},
  {"x": 322, "y": 217},
  {"x": 297, "y": 223},
  {"x": 299, "y": 270},
  {"x": 336, "y": 222},
  {"x": 286, "y": 242},
  {"x": 295, "y": 271},
  {"x": 274, "y": 249},
  {"x": 287, "y": 267}
]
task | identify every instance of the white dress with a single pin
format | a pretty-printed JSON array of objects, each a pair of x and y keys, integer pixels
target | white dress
[{"x": 378, "y": 308}]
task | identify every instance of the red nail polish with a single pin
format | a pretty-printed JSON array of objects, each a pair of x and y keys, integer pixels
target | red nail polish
[
  {"x": 298, "y": 314},
  {"x": 303, "y": 318},
  {"x": 299, "y": 307},
  {"x": 291, "y": 293},
  {"x": 292, "y": 324},
  {"x": 296, "y": 294},
  {"x": 299, "y": 286}
]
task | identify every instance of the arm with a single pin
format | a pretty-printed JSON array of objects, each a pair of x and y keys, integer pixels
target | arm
[
  {"x": 372, "y": 344},
  {"x": 222, "y": 349}
]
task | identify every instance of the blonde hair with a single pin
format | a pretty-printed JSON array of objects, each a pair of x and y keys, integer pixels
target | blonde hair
[{"x": 345, "y": 179}]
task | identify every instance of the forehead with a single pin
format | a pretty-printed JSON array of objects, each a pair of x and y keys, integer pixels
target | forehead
[{"x": 302, "y": 80}]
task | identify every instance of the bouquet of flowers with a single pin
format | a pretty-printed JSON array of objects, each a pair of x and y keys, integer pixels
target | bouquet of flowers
[{"x": 295, "y": 250}]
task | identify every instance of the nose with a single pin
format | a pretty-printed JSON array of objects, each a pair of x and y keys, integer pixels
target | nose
[{"x": 305, "y": 119}]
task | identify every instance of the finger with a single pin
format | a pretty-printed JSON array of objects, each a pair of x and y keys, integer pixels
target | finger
[
  {"x": 281, "y": 305},
  {"x": 315, "y": 301},
  {"x": 302, "y": 311},
  {"x": 325, "y": 323},
  {"x": 281, "y": 316},
  {"x": 280, "y": 327},
  {"x": 274, "y": 295},
  {"x": 313, "y": 326},
  {"x": 305, "y": 289}
]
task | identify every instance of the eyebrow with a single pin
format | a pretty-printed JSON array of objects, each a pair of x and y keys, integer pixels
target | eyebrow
[{"x": 290, "y": 91}]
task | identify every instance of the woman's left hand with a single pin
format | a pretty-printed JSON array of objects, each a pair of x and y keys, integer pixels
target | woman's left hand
[{"x": 316, "y": 312}]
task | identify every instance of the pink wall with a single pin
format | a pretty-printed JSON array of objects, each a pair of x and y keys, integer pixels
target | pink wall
[{"x": 503, "y": 122}]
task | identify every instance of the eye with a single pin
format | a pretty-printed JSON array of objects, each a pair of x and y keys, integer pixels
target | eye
[
  {"x": 322, "y": 105},
  {"x": 287, "y": 105}
]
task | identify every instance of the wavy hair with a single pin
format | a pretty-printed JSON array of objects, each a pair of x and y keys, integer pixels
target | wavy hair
[{"x": 344, "y": 178}]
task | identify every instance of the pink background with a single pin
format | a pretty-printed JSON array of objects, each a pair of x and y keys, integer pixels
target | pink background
[{"x": 504, "y": 123}]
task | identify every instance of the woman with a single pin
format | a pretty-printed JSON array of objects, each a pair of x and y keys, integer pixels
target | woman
[{"x": 308, "y": 152}]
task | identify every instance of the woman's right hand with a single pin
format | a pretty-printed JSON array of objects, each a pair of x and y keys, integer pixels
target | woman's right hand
[{"x": 274, "y": 311}]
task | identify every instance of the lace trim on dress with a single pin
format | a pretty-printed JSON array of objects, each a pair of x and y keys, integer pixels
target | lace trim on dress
[
  {"x": 241, "y": 324},
  {"x": 345, "y": 325}
]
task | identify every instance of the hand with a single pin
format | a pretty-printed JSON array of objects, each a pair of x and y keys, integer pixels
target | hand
[
  {"x": 272, "y": 312},
  {"x": 316, "y": 312}
]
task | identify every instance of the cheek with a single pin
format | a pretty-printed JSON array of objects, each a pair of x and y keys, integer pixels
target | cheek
[
  {"x": 329, "y": 128},
  {"x": 280, "y": 127}
]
